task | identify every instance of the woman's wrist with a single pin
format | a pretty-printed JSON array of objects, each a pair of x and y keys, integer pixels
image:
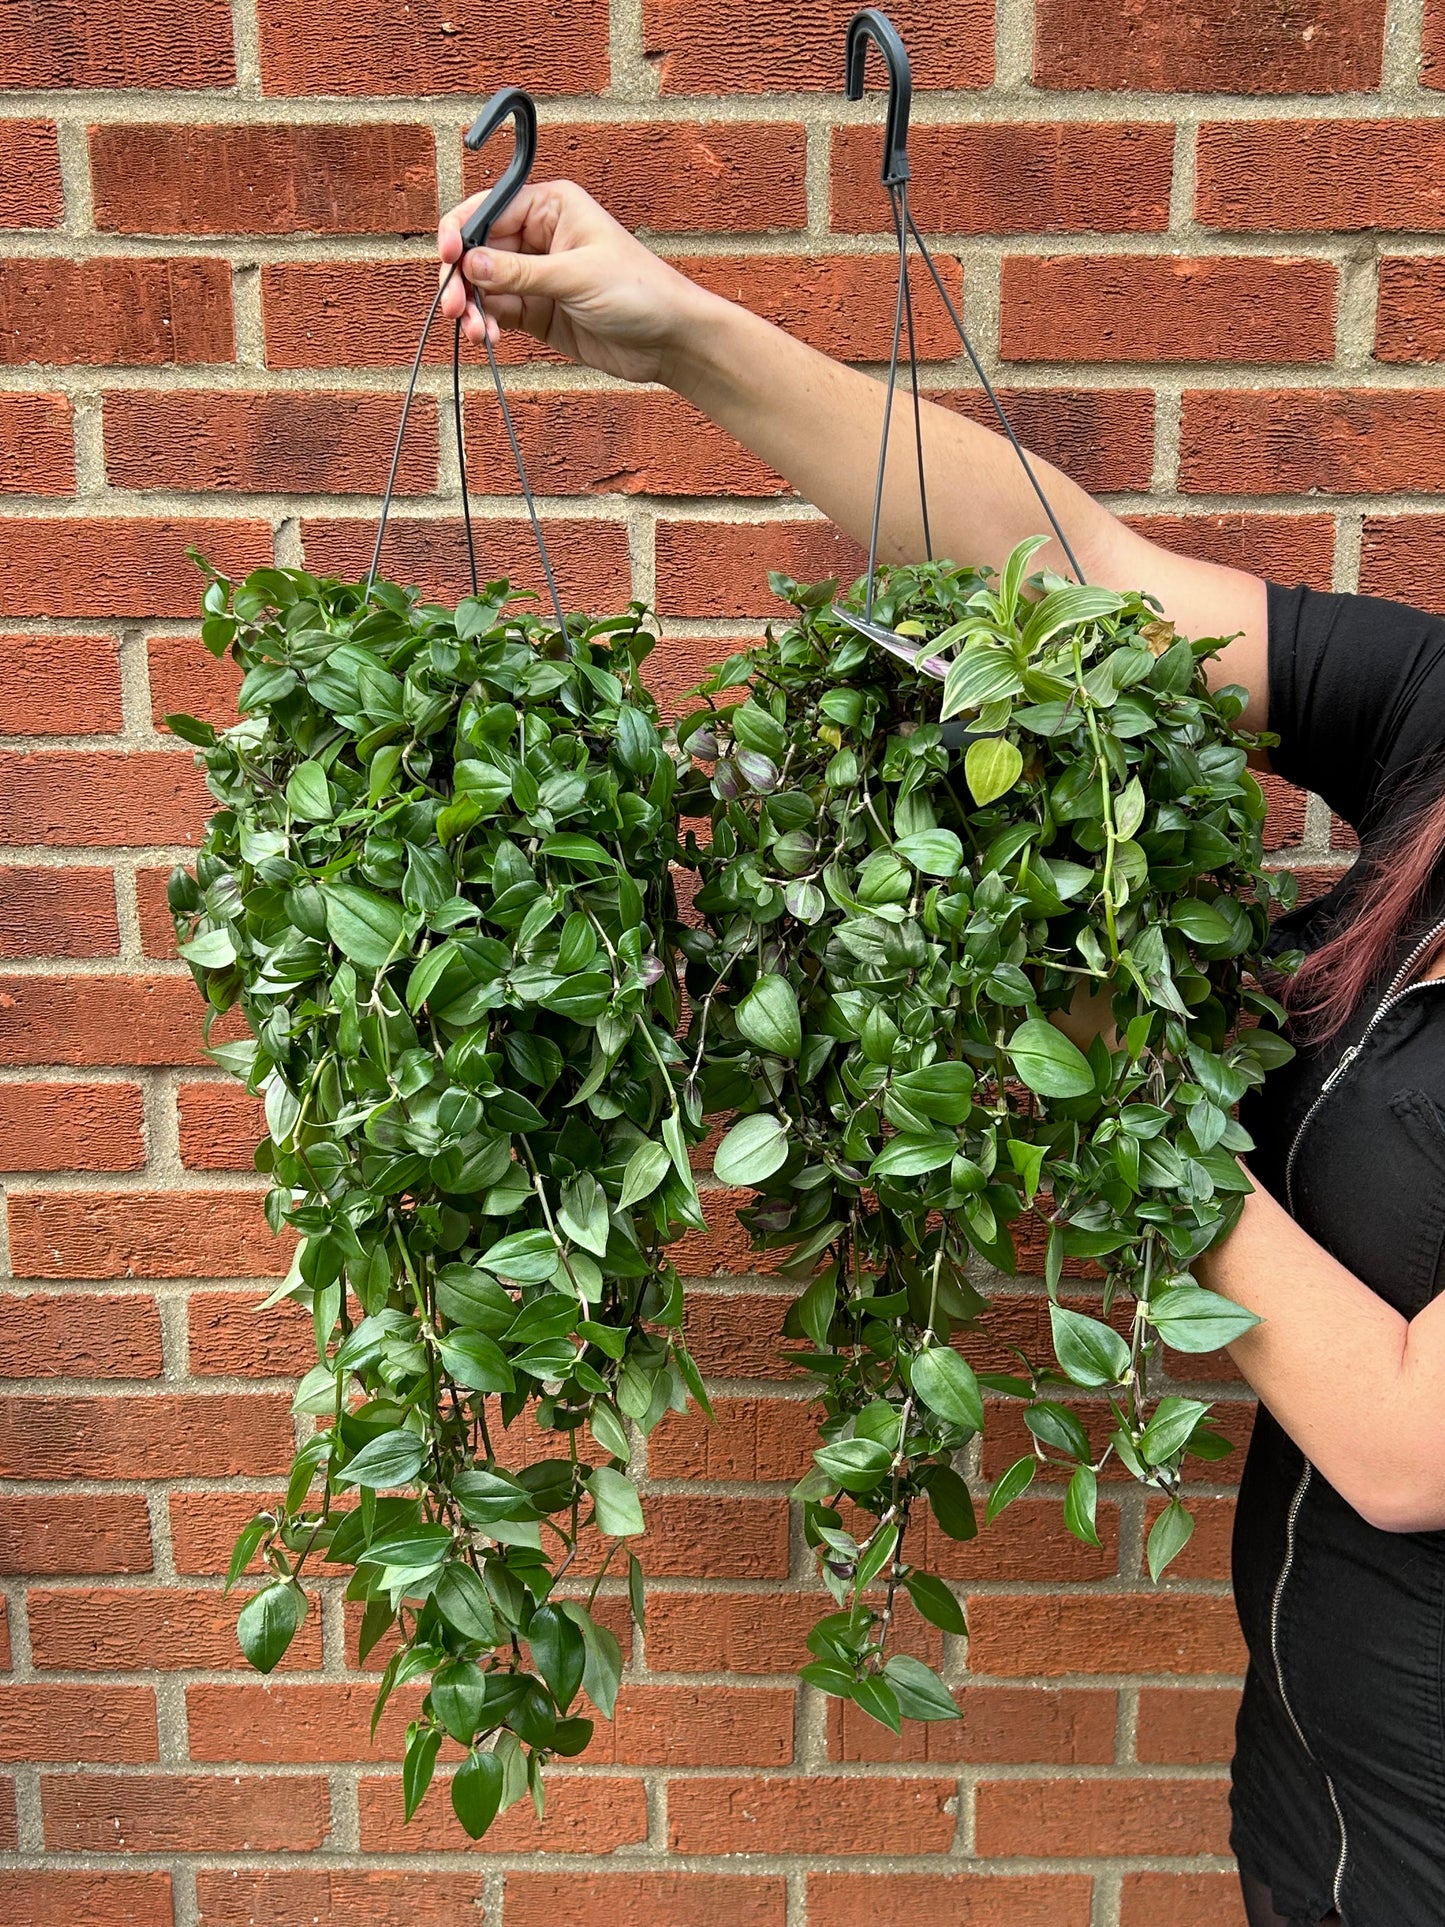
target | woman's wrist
[{"x": 706, "y": 347}]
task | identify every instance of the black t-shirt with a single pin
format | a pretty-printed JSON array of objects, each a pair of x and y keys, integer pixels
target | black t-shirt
[{"x": 1357, "y": 699}]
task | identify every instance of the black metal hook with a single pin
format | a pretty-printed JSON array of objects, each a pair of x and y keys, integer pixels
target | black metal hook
[
  {"x": 507, "y": 103},
  {"x": 872, "y": 24}
]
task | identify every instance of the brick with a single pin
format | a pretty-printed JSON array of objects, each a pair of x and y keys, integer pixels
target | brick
[
  {"x": 737, "y": 1336},
  {"x": 229, "y": 1336},
  {"x": 186, "y": 43},
  {"x": 30, "y": 190},
  {"x": 284, "y": 443},
  {"x": 1103, "y": 438},
  {"x": 965, "y": 1899},
  {"x": 71, "y": 1127},
  {"x": 144, "y": 1234},
  {"x": 814, "y": 1815},
  {"x": 752, "y": 1633},
  {"x": 645, "y": 1899},
  {"x": 320, "y": 178},
  {"x": 369, "y": 47},
  {"x": 584, "y": 1815},
  {"x": 269, "y": 1723},
  {"x": 1286, "y": 548},
  {"x": 310, "y": 311},
  {"x": 747, "y": 1438},
  {"x": 74, "y": 1533},
  {"x": 1284, "y": 825},
  {"x": 842, "y": 304},
  {"x": 79, "y": 797},
  {"x": 72, "y": 1334},
  {"x": 1181, "y": 1726},
  {"x": 675, "y": 177},
  {"x": 1297, "y": 441},
  {"x": 1223, "y": 46},
  {"x": 1118, "y": 1633},
  {"x": 674, "y": 1726},
  {"x": 615, "y": 441},
  {"x": 590, "y": 559},
  {"x": 112, "y": 1725},
  {"x": 1183, "y": 1899},
  {"x": 1012, "y": 177},
  {"x": 59, "y": 686},
  {"x": 1028, "y": 1541},
  {"x": 9, "y": 1823},
  {"x": 1403, "y": 557},
  {"x": 163, "y": 1628},
  {"x": 115, "y": 311},
  {"x": 1088, "y": 1817},
  {"x": 38, "y": 1899},
  {"x": 1170, "y": 308},
  {"x": 336, "y": 1897},
  {"x": 56, "y": 913},
  {"x": 221, "y": 1125},
  {"x": 1328, "y": 176},
  {"x": 1207, "y": 1554},
  {"x": 693, "y": 1536},
  {"x": 172, "y": 1436},
  {"x": 35, "y": 434},
  {"x": 111, "y": 566},
  {"x": 205, "y": 1526},
  {"x": 99, "y": 1020},
  {"x": 720, "y": 569},
  {"x": 187, "y": 679},
  {"x": 1017, "y": 1725},
  {"x": 1410, "y": 310},
  {"x": 724, "y": 47},
  {"x": 183, "y": 1813}
]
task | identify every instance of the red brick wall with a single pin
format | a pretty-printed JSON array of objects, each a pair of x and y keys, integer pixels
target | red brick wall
[{"x": 1203, "y": 249}]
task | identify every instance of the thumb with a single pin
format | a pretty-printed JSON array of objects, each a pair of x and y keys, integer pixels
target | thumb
[{"x": 498, "y": 271}]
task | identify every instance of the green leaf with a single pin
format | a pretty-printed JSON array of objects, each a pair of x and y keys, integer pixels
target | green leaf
[
  {"x": 991, "y": 767},
  {"x": 476, "y": 1362},
  {"x": 646, "y": 1168},
  {"x": 1090, "y": 1352},
  {"x": 477, "y": 1792},
  {"x": 308, "y": 794},
  {"x": 268, "y": 1622},
  {"x": 1028, "y": 1161},
  {"x": 922, "y": 1695},
  {"x": 874, "y": 1696},
  {"x": 909, "y": 1157},
  {"x": 459, "y": 1698},
  {"x": 1193, "y": 1319},
  {"x": 1168, "y": 1429},
  {"x": 418, "y": 1764},
  {"x": 1068, "y": 608},
  {"x": 1168, "y": 1536},
  {"x": 582, "y": 1213},
  {"x": 248, "y": 1542},
  {"x": 937, "y": 853},
  {"x": 603, "y": 1672},
  {"x": 1200, "y": 921},
  {"x": 528, "y": 1257},
  {"x": 947, "y": 1385},
  {"x": 769, "y": 1017},
  {"x": 558, "y": 1652},
  {"x": 1048, "y": 1062},
  {"x": 462, "y": 1601},
  {"x": 752, "y": 1151},
  {"x": 854, "y": 1464},
  {"x": 951, "y": 1500},
  {"x": 211, "y": 950},
  {"x": 619, "y": 1510},
  {"x": 1079, "y": 1505},
  {"x": 393, "y": 1459},
  {"x": 363, "y": 926},
  {"x": 936, "y": 1601},
  {"x": 1008, "y": 1485},
  {"x": 816, "y": 1307}
]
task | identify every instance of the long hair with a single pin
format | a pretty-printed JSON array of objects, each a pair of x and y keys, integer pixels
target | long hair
[{"x": 1385, "y": 889}]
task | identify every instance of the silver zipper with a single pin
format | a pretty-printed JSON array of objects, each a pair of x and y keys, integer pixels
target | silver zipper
[{"x": 1400, "y": 987}]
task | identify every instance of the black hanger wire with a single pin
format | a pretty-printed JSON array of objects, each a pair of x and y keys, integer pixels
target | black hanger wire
[{"x": 508, "y": 103}]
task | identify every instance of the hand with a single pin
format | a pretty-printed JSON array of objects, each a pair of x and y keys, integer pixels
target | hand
[{"x": 560, "y": 267}]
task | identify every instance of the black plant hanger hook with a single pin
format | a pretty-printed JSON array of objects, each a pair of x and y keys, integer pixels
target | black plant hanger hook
[
  {"x": 872, "y": 25},
  {"x": 508, "y": 103}
]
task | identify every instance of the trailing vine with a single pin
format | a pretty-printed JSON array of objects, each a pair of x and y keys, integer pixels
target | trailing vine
[
  {"x": 889, "y": 931},
  {"x": 437, "y": 886}
]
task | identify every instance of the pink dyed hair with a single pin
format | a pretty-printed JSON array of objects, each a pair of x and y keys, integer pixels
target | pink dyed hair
[{"x": 1332, "y": 979}]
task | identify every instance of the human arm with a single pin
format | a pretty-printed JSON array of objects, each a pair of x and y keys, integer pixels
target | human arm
[
  {"x": 1356, "y": 1385},
  {"x": 560, "y": 267}
]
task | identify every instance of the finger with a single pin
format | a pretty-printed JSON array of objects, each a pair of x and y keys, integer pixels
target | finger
[
  {"x": 495, "y": 271},
  {"x": 449, "y": 228}
]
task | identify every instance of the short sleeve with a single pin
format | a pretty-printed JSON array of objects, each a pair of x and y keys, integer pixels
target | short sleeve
[{"x": 1356, "y": 697}]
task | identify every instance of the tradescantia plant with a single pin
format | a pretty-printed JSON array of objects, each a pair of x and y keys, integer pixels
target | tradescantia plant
[
  {"x": 437, "y": 888},
  {"x": 889, "y": 929}
]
